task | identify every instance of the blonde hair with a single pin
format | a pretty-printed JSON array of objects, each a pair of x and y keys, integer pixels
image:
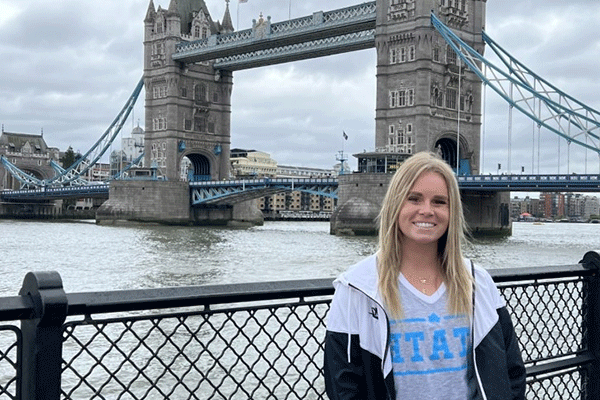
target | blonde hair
[{"x": 457, "y": 278}]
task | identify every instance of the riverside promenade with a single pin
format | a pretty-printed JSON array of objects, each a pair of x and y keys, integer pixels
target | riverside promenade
[{"x": 259, "y": 340}]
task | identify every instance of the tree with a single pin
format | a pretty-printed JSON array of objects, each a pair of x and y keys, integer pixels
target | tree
[{"x": 69, "y": 158}]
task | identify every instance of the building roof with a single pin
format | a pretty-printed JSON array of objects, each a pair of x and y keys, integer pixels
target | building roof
[
  {"x": 150, "y": 13},
  {"x": 18, "y": 140},
  {"x": 227, "y": 25},
  {"x": 186, "y": 12}
]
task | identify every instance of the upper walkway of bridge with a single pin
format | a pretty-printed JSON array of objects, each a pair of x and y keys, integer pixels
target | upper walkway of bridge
[{"x": 321, "y": 34}]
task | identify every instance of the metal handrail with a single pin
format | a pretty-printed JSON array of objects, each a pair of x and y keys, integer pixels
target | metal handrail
[{"x": 43, "y": 303}]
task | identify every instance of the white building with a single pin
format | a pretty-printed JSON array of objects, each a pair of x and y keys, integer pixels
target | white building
[
  {"x": 252, "y": 163},
  {"x": 131, "y": 148}
]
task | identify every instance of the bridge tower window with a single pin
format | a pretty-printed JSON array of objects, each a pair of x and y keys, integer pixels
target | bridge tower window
[
  {"x": 403, "y": 54},
  {"x": 436, "y": 54},
  {"x": 200, "y": 124},
  {"x": 450, "y": 55},
  {"x": 393, "y": 98},
  {"x": 200, "y": 92},
  {"x": 393, "y": 55},
  {"x": 451, "y": 98}
]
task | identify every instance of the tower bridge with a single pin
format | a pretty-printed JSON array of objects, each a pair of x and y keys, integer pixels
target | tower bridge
[
  {"x": 421, "y": 91},
  {"x": 430, "y": 72}
]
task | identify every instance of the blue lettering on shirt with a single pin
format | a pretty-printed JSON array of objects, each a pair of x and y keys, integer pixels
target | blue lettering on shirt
[
  {"x": 415, "y": 337},
  {"x": 463, "y": 333},
  {"x": 440, "y": 344},
  {"x": 395, "y": 348},
  {"x": 445, "y": 343}
]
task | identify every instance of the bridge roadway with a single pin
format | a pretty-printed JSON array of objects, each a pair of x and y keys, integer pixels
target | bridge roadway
[{"x": 233, "y": 191}]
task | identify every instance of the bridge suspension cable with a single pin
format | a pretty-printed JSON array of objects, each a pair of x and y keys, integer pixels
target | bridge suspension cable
[
  {"x": 73, "y": 176},
  {"x": 544, "y": 103}
]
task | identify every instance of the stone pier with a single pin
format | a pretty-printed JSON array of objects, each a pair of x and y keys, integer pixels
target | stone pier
[
  {"x": 168, "y": 202},
  {"x": 361, "y": 195}
]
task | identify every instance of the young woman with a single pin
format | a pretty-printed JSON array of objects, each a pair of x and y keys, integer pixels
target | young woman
[{"x": 403, "y": 323}]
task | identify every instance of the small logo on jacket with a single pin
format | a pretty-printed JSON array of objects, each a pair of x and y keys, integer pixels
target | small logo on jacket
[{"x": 374, "y": 313}]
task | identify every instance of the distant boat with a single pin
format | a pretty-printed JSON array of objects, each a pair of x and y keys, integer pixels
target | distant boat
[{"x": 538, "y": 223}]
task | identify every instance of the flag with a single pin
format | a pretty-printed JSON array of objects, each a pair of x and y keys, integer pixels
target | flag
[
  {"x": 345, "y": 136},
  {"x": 243, "y": 1}
]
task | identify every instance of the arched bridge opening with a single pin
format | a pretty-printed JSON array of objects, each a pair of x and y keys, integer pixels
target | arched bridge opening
[
  {"x": 197, "y": 166},
  {"x": 446, "y": 147}
]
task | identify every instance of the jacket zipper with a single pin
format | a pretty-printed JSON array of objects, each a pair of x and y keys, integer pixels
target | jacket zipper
[{"x": 387, "y": 323}]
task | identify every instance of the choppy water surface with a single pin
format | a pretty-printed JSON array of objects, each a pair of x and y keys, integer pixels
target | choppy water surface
[{"x": 91, "y": 257}]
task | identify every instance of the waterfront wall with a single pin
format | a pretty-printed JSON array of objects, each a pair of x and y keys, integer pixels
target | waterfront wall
[
  {"x": 53, "y": 209},
  {"x": 258, "y": 340},
  {"x": 32, "y": 210}
]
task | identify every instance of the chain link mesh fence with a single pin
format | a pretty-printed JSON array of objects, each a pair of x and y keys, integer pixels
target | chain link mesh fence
[{"x": 273, "y": 349}]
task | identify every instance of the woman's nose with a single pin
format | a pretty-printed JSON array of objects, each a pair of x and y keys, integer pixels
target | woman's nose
[{"x": 426, "y": 208}]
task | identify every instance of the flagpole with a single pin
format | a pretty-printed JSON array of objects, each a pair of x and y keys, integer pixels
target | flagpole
[{"x": 290, "y": 10}]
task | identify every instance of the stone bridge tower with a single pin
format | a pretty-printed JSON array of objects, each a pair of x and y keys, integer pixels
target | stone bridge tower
[
  {"x": 426, "y": 101},
  {"x": 425, "y": 97},
  {"x": 188, "y": 106}
]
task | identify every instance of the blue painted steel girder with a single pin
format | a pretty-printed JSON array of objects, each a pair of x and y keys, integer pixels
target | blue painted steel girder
[
  {"x": 301, "y": 51},
  {"x": 524, "y": 90},
  {"x": 52, "y": 193},
  {"x": 531, "y": 183},
  {"x": 235, "y": 191},
  {"x": 72, "y": 176}
]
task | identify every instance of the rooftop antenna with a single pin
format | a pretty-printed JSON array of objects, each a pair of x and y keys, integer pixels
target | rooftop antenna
[{"x": 340, "y": 157}]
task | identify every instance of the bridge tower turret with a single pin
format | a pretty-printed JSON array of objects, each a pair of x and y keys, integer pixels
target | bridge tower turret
[
  {"x": 188, "y": 106},
  {"x": 425, "y": 98}
]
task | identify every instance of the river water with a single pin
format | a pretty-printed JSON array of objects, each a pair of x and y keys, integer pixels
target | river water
[{"x": 92, "y": 257}]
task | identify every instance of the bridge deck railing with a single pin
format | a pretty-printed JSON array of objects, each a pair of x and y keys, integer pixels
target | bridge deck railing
[{"x": 257, "y": 340}]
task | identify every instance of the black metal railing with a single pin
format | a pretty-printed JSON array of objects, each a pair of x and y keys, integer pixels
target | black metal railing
[{"x": 260, "y": 340}]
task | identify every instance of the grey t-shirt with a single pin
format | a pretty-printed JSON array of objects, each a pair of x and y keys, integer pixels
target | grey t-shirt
[{"x": 429, "y": 347}]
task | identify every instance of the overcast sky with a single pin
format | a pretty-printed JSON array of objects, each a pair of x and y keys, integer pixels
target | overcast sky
[{"x": 68, "y": 66}]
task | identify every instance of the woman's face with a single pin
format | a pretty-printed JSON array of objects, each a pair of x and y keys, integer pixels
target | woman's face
[{"x": 425, "y": 212}]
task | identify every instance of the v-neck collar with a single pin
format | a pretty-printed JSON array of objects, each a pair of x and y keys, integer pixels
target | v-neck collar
[{"x": 427, "y": 299}]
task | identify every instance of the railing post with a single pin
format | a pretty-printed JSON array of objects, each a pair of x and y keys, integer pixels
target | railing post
[
  {"x": 42, "y": 336},
  {"x": 591, "y": 260}
]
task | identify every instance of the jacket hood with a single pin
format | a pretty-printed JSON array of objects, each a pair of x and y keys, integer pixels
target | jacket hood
[{"x": 363, "y": 276}]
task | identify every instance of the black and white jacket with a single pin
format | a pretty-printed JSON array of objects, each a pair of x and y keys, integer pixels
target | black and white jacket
[{"x": 357, "y": 356}]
